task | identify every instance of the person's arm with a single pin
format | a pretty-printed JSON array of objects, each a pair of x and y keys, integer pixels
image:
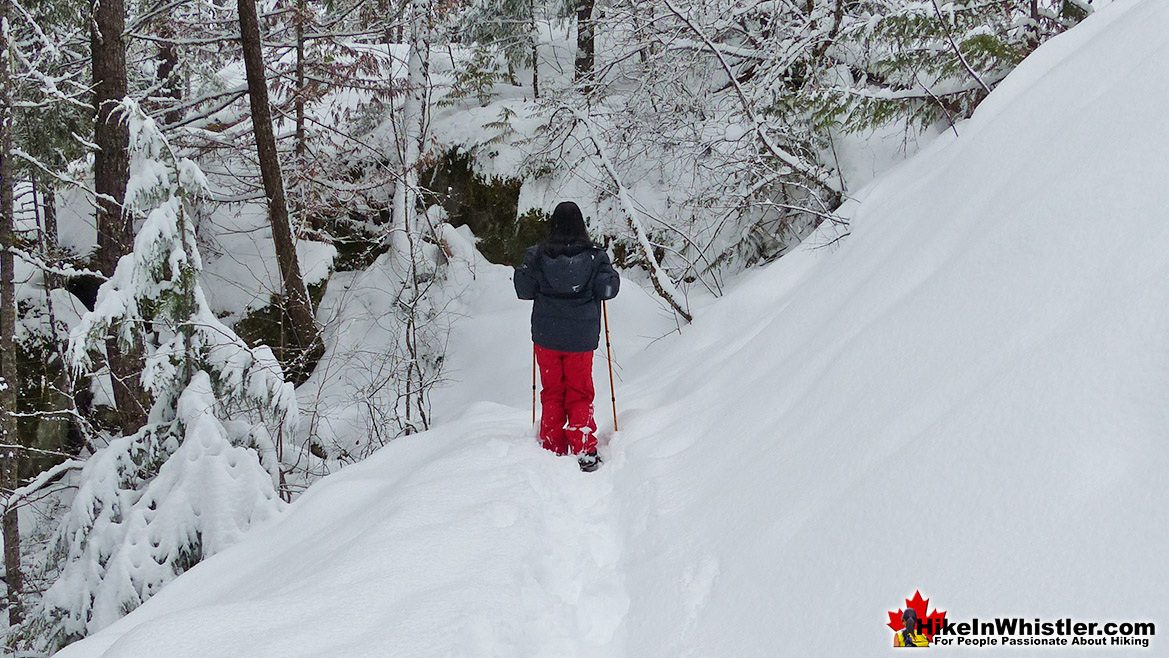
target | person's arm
[
  {"x": 526, "y": 285},
  {"x": 607, "y": 282}
]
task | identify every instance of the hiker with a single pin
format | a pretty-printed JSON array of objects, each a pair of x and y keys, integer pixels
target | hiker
[
  {"x": 909, "y": 636},
  {"x": 568, "y": 277}
]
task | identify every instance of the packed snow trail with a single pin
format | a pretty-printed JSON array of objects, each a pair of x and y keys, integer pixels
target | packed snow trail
[
  {"x": 967, "y": 397},
  {"x": 524, "y": 543}
]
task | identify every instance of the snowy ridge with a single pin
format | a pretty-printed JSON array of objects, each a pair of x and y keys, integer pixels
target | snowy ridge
[{"x": 967, "y": 397}]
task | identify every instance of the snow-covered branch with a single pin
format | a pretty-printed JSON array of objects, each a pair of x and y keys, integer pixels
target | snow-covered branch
[
  {"x": 810, "y": 171},
  {"x": 661, "y": 281}
]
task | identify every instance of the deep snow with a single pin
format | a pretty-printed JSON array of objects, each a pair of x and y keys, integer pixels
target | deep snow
[{"x": 966, "y": 397}]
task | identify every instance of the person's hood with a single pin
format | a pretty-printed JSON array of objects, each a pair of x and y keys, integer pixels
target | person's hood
[{"x": 568, "y": 275}]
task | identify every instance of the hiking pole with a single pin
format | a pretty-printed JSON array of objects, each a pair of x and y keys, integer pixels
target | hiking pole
[
  {"x": 533, "y": 383},
  {"x": 609, "y": 354}
]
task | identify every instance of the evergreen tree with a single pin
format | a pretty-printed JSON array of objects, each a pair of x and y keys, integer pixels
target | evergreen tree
[
  {"x": 506, "y": 27},
  {"x": 152, "y": 504},
  {"x": 931, "y": 61}
]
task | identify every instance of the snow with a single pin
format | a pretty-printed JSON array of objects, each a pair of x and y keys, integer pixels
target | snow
[
  {"x": 862, "y": 157},
  {"x": 966, "y": 396},
  {"x": 209, "y": 488},
  {"x": 356, "y": 313},
  {"x": 241, "y": 272}
]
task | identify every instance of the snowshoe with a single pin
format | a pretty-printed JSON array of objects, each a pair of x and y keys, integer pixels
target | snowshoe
[{"x": 589, "y": 461}]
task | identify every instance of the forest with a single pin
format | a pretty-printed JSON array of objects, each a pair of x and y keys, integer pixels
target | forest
[{"x": 234, "y": 234}]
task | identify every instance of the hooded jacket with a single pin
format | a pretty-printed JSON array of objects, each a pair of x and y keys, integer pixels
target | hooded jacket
[{"x": 568, "y": 290}]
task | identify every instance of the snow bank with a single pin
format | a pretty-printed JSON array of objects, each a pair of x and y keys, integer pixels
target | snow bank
[{"x": 968, "y": 397}]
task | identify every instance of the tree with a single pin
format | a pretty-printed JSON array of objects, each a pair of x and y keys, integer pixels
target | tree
[
  {"x": 40, "y": 101},
  {"x": 712, "y": 122},
  {"x": 408, "y": 230},
  {"x": 507, "y": 27},
  {"x": 700, "y": 161},
  {"x": 9, "y": 381},
  {"x": 585, "y": 42},
  {"x": 305, "y": 332},
  {"x": 931, "y": 61},
  {"x": 115, "y": 231},
  {"x": 152, "y": 504}
]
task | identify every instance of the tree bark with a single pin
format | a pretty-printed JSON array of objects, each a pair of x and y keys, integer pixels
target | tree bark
[
  {"x": 406, "y": 231},
  {"x": 300, "y": 178},
  {"x": 111, "y": 172},
  {"x": 44, "y": 205},
  {"x": 168, "y": 56},
  {"x": 535, "y": 51},
  {"x": 49, "y": 205},
  {"x": 9, "y": 454},
  {"x": 826, "y": 42},
  {"x": 115, "y": 232},
  {"x": 584, "y": 42},
  {"x": 301, "y": 13},
  {"x": 308, "y": 346},
  {"x": 414, "y": 120}
]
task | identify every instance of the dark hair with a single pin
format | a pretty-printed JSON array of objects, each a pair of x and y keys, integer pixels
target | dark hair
[
  {"x": 908, "y": 632},
  {"x": 567, "y": 234}
]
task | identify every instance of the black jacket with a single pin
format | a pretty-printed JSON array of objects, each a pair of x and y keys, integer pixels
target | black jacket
[{"x": 567, "y": 290}]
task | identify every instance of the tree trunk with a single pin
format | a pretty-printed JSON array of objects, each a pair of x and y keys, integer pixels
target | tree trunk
[
  {"x": 300, "y": 180},
  {"x": 535, "y": 52},
  {"x": 115, "y": 233},
  {"x": 111, "y": 171},
  {"x": 9, "y": 454},
  {"x": 301, "y": 13},
  {"x": 52, "y": 235},
  {"x": 584, "y": 42},
  {"x": 308, "y": 347},
  {"x": 414, "y": 119},
  {"x": 168, "y": 56},
  {"x": 405, "y": 230},
  {"x": 44, "y": 204}
]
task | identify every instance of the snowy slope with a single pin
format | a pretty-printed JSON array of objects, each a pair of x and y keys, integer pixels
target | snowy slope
[{"x": 968, "y": 397}]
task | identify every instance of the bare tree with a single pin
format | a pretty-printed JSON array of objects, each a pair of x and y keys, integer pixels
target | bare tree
[
  {"x": 305, "y": 333},
  {"x": 408, "y": 228},
  {"x": 9, "y": 450}
]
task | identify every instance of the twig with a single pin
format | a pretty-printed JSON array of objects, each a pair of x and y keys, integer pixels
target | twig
[{"x": 957, "y": 51}]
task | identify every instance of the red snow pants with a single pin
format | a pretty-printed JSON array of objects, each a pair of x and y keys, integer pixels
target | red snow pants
[{"x": 566, "y": 401}]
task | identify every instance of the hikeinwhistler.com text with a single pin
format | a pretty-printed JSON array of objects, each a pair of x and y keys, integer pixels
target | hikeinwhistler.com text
[{"x": 1018, "y": 632}]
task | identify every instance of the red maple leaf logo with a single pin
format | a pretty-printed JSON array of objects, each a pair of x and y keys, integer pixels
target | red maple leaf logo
[{"x": 930, "y": 623}]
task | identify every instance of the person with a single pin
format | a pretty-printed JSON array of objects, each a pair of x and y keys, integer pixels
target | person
[
  {"x": 908, "y": 636},
  {"x": 567, "y": 277}
]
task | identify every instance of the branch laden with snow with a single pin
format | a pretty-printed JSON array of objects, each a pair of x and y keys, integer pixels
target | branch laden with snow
[
  {"x": 151, "y": 505},
  {"x": 662, "y": 283}
]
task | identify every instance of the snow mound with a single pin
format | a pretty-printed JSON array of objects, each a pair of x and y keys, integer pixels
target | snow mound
[{"x": 967, "y": 397}]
